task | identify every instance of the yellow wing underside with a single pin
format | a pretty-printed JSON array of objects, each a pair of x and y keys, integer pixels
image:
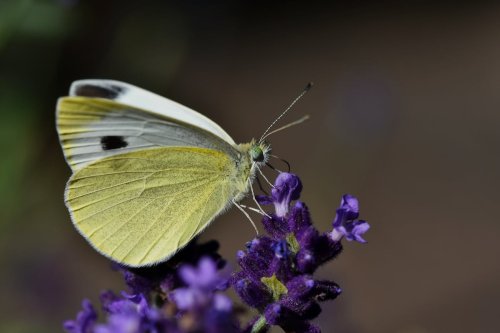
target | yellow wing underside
[{"x": 141, "y": 207}]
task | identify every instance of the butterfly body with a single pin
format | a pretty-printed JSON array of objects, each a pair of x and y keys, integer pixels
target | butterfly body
[{"x": 147, "y": 178}]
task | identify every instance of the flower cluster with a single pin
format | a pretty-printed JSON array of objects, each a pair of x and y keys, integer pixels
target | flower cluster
[
  {"x": 185, "y": 294},
  {"x": 276, "y": 270},
  {"x": 185, "y": 299}
]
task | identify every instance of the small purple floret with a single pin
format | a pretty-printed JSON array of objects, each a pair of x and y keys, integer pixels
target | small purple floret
[
  {"x": 287, "y": 187},
  {"x": 201, "y": 282},
  {"x": 205, "y": 276},
  {"x": 85, "y": 320},
  {"x": 346, "y": 223}
]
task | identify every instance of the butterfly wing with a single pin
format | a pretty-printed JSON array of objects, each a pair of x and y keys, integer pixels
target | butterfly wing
[
  {"x": 128, "y": 94},
  {"x": 140, "y": 207},
  {"x": 93, "y": 128}
]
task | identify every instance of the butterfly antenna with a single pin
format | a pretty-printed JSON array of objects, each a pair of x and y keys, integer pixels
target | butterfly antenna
[
  {"x": 306, "y": 89},
  {"x": 293, "y": 123}
]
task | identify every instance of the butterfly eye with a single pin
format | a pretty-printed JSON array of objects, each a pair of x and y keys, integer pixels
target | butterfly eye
[{"x": 257, "y": 154}]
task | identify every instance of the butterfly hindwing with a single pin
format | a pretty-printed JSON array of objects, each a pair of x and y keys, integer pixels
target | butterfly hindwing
[{"x": 140, "y": 207}]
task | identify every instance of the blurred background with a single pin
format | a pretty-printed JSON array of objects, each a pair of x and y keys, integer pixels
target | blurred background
[{"x": 405, "y": 114}]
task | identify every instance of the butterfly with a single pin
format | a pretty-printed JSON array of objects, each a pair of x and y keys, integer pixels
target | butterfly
[{"x": 149, "y": 174}]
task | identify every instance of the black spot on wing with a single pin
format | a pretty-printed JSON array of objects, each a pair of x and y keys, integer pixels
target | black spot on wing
[
  {"x": 113, "y": 142},
  {"x": 108, "y": 91}
]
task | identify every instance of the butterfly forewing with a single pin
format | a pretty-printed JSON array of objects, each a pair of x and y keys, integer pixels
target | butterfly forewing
[
  {"x": 93, "y": 128},
  {"x": 140, "y": 207},
  {"x": 125, "y": 93}
]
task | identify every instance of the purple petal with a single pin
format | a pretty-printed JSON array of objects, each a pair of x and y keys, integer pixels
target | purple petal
[
  {"x": 121, "y": 306},
  {"x": 203, "y": 276},
  {"x": 281, "y": 249},
  {"x": 85, "y": 319},
  {"x": 108, "y": 298},
  {"x": 255, "y": 263},
  {"x": 354, "y": 230},
  {"x": 287, "y": 187},
  {"x": 300, "y": 286},
  {"x": 360, "y": 228},
  {"x": 222, "y": 303},
  {"x": 348, "y": 210},
  {"x": 253, "y": 293},
  {"x": 119, "y": 323},
  {"x": 326, "y": 290},
  {"x": 306, "y": 262},
  {"x": 350, "y": 204},
  {"x": 188, "y": 298},
  {"x": 264, "y": 199},
  {"x": 276, "y": 226},
  {"x": 138, "y": 284},
  {"x": 188, "y": 274},
  {"x": 273, "y": 314},
  {"x": 299, "y": 218}
]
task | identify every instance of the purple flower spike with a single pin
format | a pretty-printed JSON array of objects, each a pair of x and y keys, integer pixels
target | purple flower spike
[
  {"x": 346, "y": 222},
  {"x": 276, "y": 277},
  {"x": 85, "y": 320}
]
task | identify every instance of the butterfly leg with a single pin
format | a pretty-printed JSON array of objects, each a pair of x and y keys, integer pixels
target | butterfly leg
[
  {"x": 255, "y": 200},
  {"x": 252, "y": 209},
  {"x": 265, "y": 178},
  {"x": 246, "y": 214}
]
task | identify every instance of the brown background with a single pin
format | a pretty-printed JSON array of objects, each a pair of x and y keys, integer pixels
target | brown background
[{"x": 404, "y": 114}]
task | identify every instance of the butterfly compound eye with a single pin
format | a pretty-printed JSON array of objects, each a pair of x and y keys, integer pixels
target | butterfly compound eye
[{"x": 257, "y": 154}]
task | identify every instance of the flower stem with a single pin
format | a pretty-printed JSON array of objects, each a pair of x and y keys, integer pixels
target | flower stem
[{"x": 259, "y": 325}]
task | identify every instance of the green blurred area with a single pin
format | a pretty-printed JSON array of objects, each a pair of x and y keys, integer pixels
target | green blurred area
[
  {"x": 31, "y": 36},
  {"x": 405, "y": 115}
]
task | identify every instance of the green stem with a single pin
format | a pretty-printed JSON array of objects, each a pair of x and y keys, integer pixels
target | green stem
[{"x": 259, "y": 325}]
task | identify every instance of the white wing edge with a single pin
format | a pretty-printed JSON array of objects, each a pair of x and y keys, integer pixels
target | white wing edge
[{"x": 144, "y": 99}]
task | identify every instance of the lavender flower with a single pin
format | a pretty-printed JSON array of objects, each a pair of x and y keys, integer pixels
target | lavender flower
[
  {"x": 195, "y": 304},
  {"x": 276, "y": 270},
  {"x": 132, "y": 314},
  {"x": 209, "y": 310}
]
